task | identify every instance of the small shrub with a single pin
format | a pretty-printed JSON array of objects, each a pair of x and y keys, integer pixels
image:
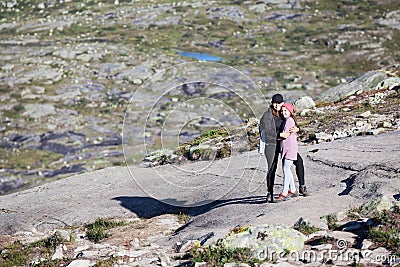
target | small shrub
[
  {"x": 238, "y": 229},
  {"x": 183, "y": 217},
  {"x": 14, "y": 255},
  {"x": 224, "y": 152},
  {"x": 96, "y": 234},
  {"x": 217, "y": 255},
  {"x": 305, "y": 227},
  {"x": 331, "y": 220},
  {"x": 214, "y": 133},
  {"x": 106, "y": 263},
  {"x": 53, "y": 241},
  {"x": 18, "y": 108},
  {"x": 387, "y": 232},
  {"x": 97, "y": 230},
  {"x": 164, "y": 160},
  {"x": 354, "y": 213},
  {"x": 18, "y": 254}
]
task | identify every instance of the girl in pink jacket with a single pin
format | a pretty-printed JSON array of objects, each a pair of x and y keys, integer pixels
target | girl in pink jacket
[{"x": 289, "y": 149}]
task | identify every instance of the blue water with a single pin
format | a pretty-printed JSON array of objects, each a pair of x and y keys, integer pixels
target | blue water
[{"x": 199, "y": 56}]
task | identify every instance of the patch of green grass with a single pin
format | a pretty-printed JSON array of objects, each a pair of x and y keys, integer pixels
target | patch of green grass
[
  {"x": 15, "y": 112},
  {"x": 20, "y": 159},
  {"x": 211, "y": 135},
  {"x": 14, "y": 255},
  {"x": 183, "y": 217},
  {"x": 110, "y": 262},
  {"x": 331, "y": 220},
  {"x": 217, "y": 255},
  {"x": 74, "y": 30},
  {"x": 393, "y": 45},
  {"x": 388, "y": 229},
  {"x": 306, "y": 228},
  {"x": 97, "y": 231},
  {"x": 18, "y": 254},
  {"x": 208, "y": 135},
  {"x": 354, "y": 213},
  {"x": 215, "y": 133}
]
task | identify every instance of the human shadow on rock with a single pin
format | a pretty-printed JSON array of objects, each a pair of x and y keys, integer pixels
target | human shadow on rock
[
  {"x": 349, "y": 185},
  {"x": 147, "y": 207}
]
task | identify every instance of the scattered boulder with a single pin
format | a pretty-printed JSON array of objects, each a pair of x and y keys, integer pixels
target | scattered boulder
[
  {"x": 368, "y": 81},
  {"x": 136, "y": 75},
  {"x": 306, "y": 102},
  {"x": 64, "y": 235},
  {"x": 366, "y": 244},
  {"x": 377, "y": 205},
  {"x": 81, "y": 263},
  {"x": 67, "y": 53},
  {"x": 45, "y": 75},
  {"x": 39, "y": 110},
  {"x": 266, "y": 239},
  {"x": 391, "y": 19},
  {"x": 58, "y": 254},
  {"x": 322, "y": 136},
  {"x": 27, "y": 94}
]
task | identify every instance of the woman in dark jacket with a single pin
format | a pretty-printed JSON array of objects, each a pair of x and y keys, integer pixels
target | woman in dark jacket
[{"x": 270, "y": 128}]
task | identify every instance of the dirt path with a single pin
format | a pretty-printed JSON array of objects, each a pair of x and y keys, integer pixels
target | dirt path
[{"x": 237, "y": 185}]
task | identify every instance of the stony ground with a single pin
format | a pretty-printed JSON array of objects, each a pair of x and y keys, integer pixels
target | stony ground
[
  {"x": 70, "y": 68},
  {"x": 341, "y": 175}
]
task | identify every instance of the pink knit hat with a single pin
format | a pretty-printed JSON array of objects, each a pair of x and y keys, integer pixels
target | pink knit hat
[{"x": 289, "y": 107}]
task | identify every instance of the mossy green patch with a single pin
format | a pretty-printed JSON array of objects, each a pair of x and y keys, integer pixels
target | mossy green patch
[
  {"x": 110, "y": 262},
  {"x": 22, "y": 158},
  {"x": 97, "y": 230},
  {"x": 208, "y": 135},
  {"x": 18, "y": 254},
  {"x": 387, "y": 232},
  {"x": 218, "y": 255},
  {"x": 305, "y": 227}
]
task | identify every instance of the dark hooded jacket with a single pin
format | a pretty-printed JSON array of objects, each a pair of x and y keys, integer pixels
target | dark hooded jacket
[{"x": 269, "y": 129}]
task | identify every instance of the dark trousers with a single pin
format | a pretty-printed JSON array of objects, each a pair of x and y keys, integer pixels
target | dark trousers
[{"x": 273, "y": 164}]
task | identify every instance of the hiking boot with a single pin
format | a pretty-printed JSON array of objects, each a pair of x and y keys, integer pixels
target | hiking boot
[
  {"x": 293, "y": 194},
  {"x": 303, "y": 191},
  {"x": 270, "y": 196}
]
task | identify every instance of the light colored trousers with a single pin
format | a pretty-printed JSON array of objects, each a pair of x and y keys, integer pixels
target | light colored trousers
[{"x": 288, "y": 179}]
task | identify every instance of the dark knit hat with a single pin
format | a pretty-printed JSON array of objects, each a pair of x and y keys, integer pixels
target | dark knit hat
[
  {"x": 277, "y": 98},
  {"x": 289, "y": 107}
]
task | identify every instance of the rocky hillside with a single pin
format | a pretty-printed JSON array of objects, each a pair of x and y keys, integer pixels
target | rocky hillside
[
  {"x": 368, "y": 105},
  {"x": 68, "y": 69}
]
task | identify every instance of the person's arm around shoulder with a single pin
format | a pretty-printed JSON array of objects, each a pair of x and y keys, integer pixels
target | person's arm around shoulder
[{"x": 291, "y": 126}]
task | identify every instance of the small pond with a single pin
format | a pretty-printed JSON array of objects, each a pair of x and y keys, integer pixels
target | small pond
[{"x": 199, "y": 56}]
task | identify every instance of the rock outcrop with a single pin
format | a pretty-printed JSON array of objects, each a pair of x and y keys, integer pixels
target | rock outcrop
[{"x": 265, "y": 239}]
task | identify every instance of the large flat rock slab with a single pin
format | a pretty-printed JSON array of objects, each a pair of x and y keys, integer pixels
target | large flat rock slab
[{"x": 115, "y": 192}]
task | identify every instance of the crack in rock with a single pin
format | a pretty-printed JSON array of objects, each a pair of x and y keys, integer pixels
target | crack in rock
[
  {"x": 371, "y": 182},
  {"x": 350, "y": 166}
]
